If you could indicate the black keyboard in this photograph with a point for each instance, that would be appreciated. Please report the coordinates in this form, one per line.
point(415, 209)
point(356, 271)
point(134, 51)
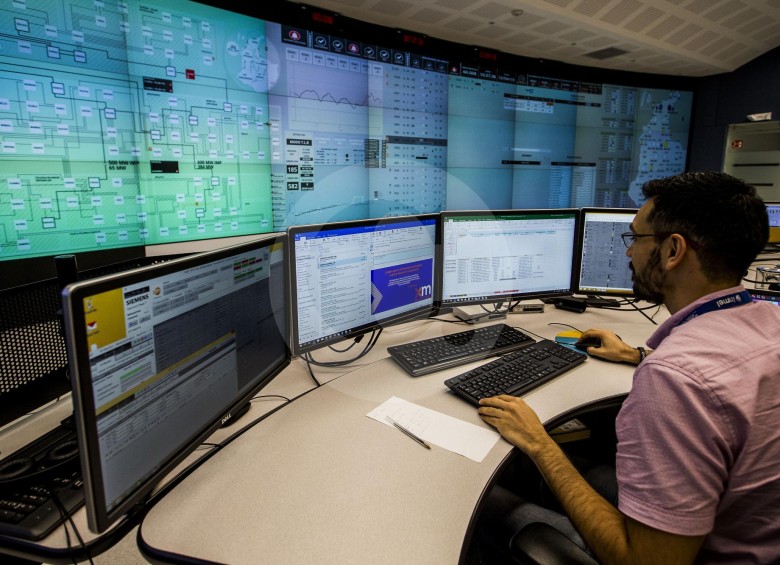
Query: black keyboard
point(29, 480)
point(516, 373)
point(430, 355)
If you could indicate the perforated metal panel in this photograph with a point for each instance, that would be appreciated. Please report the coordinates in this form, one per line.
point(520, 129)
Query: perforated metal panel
point(33, 356)
point(30, 341)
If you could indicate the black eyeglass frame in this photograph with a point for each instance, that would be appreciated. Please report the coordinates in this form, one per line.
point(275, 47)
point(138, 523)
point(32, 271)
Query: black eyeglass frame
point(629, 238)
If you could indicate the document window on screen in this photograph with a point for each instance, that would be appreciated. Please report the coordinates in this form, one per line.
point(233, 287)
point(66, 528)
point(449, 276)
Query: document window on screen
point(495, 256)
point(353, 276)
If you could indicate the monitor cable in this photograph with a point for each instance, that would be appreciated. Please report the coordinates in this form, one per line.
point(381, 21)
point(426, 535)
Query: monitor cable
point(642, 311)
point(497, 307)
point(368, 347)
point(576, 329)
point(167, 486)
point(271, 397)
point(355, 341)
point(305, 357)
point(69, 520)
point(633, 304)
point(447, 321)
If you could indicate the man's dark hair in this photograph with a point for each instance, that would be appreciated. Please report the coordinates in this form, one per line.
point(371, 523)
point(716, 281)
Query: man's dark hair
point(721, 215)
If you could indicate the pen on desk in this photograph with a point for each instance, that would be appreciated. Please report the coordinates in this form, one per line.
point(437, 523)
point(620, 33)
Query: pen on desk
point(408, 433)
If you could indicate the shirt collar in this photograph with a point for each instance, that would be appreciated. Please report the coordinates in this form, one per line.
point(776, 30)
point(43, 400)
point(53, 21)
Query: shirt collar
point(668, 326)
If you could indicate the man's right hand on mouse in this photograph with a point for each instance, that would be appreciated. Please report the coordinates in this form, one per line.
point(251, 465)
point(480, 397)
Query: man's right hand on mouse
point(612, 347)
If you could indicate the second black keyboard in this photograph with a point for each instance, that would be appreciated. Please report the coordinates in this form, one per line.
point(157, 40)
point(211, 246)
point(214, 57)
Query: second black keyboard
point(434, 354)
point(28, 508)
point(516, 373)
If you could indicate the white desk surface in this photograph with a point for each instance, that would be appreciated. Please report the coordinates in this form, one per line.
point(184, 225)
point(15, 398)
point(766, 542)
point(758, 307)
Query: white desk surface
point(318, 481)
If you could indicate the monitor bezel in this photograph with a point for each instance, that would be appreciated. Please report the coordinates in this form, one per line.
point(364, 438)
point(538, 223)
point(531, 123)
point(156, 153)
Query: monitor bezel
point(501, 299)
point(774, 231)
point(578, 289)
point(422, 311)
point(765, 294)
point(99, 516)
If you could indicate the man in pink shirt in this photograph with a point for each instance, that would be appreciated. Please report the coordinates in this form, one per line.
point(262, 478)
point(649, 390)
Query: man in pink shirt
point(698, 455)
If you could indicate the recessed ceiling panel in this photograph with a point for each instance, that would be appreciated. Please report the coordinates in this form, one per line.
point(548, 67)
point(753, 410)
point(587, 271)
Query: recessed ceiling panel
point(700, 36)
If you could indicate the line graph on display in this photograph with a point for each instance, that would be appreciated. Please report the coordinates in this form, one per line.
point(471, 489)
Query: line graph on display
point(331, 86)
point(311, 115)
point(310, 94)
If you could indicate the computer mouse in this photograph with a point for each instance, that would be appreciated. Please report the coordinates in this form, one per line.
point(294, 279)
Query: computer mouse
point(583, 343)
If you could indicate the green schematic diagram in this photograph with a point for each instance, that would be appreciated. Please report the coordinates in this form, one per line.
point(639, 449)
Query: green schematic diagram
point(126, 124)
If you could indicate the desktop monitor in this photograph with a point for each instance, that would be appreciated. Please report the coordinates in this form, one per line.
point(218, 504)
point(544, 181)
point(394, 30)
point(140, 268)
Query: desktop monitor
point(773, 211)
point(602, 266)
point(160, 356)
point(349, 278)
point(498, 256)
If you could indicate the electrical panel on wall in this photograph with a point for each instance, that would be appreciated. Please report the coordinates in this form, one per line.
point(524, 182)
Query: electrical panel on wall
point(752, 154)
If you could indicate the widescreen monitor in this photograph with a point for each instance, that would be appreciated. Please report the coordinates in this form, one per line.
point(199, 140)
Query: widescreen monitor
point(161, 355)
point(348, 278)
point(773, 211)
point(603, 268)
point(507, 255)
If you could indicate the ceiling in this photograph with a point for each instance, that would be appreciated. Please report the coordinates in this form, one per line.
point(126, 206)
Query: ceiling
point(677, 37)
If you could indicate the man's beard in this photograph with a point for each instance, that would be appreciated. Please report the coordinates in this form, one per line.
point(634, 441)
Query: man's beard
point(648, 283)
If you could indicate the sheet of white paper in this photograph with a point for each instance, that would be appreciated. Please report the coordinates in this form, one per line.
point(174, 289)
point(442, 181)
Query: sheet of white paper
point(439, 429)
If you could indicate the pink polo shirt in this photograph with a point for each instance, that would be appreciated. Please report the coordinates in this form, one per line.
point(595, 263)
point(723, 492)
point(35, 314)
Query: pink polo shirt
point(699, 434)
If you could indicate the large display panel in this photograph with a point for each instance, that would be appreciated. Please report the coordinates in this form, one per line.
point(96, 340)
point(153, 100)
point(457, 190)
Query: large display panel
point(349, 278)
point(130, 123)
point(149, 122)
point(363, 130)
point(603, 268)
point(506, 255)
point(161, 355)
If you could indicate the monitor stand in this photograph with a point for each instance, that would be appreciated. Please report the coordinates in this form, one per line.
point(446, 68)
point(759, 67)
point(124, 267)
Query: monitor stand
point(597, 301)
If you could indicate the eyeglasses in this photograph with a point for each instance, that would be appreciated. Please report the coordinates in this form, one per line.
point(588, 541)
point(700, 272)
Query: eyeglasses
point(629, 238)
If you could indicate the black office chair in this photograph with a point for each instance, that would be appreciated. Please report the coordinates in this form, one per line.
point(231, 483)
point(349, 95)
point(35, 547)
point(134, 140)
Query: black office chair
point(541, 544)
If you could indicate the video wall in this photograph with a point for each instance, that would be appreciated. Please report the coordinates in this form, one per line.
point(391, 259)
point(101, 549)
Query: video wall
point(133, 123)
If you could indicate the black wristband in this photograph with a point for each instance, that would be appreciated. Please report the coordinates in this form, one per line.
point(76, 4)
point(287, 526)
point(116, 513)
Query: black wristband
point(642, 354)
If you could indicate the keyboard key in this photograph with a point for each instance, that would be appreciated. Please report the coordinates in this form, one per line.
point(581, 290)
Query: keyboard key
point(435, 354)
point(516, 373)
point(27, 508)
